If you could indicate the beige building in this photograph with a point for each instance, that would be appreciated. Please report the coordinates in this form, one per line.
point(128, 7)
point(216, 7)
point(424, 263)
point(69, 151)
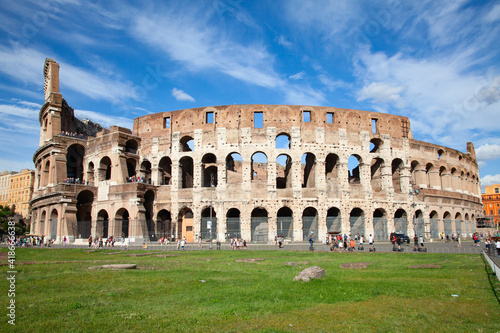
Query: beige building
point(251, 171)
point(21, 191)
point(4, 187)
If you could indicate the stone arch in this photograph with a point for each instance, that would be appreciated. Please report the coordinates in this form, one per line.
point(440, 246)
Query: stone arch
point(145, 171)
point(186, 143)
point(164, 225)
point(165, 170)
point(46, 173)
point(233, 223)
point(333, 220)
point(284, 171)
point(102, 224)
point(380, 224)
point(84, 202)
point(376, 171)
point(259, 225)
point(131, 146)
point(397, 167)
point(186, 172)
point(105, 168)
point(447, 223)
point(332, 173)
point(376, 145)
point(149, 198)
point(354, 169)
point(357, 221)
point(53, 223)
point(234, 168)
point(308, 167)
point(185, 224)
point(401, 221)
point(419, 223)
point(259, 167)
point(90, 173)
point(458, 223)
point(131, 166)
point(310, 224)
point(209, 170)
point(43, 216)
point(429, 171)
point(284, 223)
point(122, 222)
point(74, 161)
point(434, 224)
point(208, 223)
point(283, 141)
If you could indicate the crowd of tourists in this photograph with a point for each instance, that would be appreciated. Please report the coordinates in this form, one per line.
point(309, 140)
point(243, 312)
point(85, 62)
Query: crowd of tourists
point(100, 242)
point(72, 135)
point(30, 241)
point(134, 179)
point(72, 180)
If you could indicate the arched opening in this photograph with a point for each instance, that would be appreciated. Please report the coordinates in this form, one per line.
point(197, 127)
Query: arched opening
point(186, 170)
point(434, 224)
point(102, 224)
point(46, 174)
point(283, 141)
point(442, 173)
point(284, 223)
point(74, 163)
point(234, 166)
point(440, 153)
point(185, 224)
point(209, 170)
point(447, 223)
point(333, 220)
point(131, 173)
point(413, 173)
point(53, 224)
point(357, 222)
point(42, 223)
point(380, 225)
point(283, 171)
point(259, 168)
point(145, 172)
point(233, 224)
point(310, 224)
point(90, 173)
point(376, 168)
point(458, 223)
point(259, 227)
point(187, 144)
point(401, 222)
point(375, 145)
point(165, 170)
point(83, 214)
point(353, 166)
point(332, 174)
point(122, 219)
point(467, 225)
point(308, 166)
point(164, 225)
point(149, 198)
point(131, 146)
point(419, 223)
point(208, 223)
point(105, 169)
point(429, 168)
point(397, 171)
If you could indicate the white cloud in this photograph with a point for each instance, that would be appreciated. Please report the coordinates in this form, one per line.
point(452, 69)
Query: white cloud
point(488, 152)
point(297, 76)
point(283, 41)
point(103, 119)
point(382, 92)
point(490, 180)
point(181, 95)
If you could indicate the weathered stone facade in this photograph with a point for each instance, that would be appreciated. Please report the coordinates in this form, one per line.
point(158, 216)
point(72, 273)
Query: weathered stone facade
point(265, 170)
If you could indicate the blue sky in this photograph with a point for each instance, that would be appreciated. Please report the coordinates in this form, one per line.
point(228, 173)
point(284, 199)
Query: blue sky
point(437, 62)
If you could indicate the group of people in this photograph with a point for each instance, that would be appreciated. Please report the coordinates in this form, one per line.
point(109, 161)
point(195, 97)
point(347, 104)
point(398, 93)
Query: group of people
point(72, 135)
point(340, 243)
point(30, 241)
point(99, 242)
point(235, 244)
point(137, 179)
point(72, 180)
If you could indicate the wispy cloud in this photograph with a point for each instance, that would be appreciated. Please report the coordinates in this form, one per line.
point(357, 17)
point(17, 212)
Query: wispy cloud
point(488, 152)
point(490, 180)
point(297, 76)
point(181, 95)
point(103, 119)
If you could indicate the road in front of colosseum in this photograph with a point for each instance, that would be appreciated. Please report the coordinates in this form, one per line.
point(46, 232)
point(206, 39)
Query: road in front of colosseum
point(432, 247)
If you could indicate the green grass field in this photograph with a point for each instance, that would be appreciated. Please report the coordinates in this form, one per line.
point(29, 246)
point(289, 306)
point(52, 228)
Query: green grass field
point(58, 293)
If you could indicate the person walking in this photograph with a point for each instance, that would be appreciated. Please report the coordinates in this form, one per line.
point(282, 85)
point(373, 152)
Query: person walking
point(459, 239)
point(498, 247)
point(311, 241)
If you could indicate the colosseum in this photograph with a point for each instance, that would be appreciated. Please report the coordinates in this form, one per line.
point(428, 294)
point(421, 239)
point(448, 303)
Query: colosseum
point(247, 171)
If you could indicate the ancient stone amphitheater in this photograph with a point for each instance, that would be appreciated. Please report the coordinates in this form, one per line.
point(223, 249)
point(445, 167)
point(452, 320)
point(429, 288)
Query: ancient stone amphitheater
point(247, 171)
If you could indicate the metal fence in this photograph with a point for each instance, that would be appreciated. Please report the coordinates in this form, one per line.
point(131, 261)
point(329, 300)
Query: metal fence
point(380, 229)
point(206, 232)
point(401, 226)
point(233, 226)
point(284, 227)
point(259, 229)
point(434, 228)
point(310, 228)
point(357, 225)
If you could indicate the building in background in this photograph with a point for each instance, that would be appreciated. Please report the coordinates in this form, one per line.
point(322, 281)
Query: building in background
point(491, 203)
point(4, 187)
point(21, 190)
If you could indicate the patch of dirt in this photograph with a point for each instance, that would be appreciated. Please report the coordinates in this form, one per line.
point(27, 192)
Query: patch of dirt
point(355, 265)
point(140, 254)
point(165, 255)
point(3, 255)
point(426, 266)
point(250, 260)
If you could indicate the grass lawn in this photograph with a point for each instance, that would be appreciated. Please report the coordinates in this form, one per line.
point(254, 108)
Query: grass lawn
point(209, 291)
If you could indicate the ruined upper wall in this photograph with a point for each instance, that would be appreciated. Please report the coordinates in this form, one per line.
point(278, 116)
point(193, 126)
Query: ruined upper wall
point(281, 117)
point(51, 76)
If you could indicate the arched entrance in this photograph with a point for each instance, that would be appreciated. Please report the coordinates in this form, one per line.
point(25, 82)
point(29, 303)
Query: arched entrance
point(149, 198)
point(53, 224)
point(400, 222)
point(83, 215)
point(102, 224)
point(310, 224)
point(164, 226)
point(185, 224)
point(233, 225)
point(380, 225)
point(357, 222)
point(284, 223)
point(208, 223)
point(259, 225)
